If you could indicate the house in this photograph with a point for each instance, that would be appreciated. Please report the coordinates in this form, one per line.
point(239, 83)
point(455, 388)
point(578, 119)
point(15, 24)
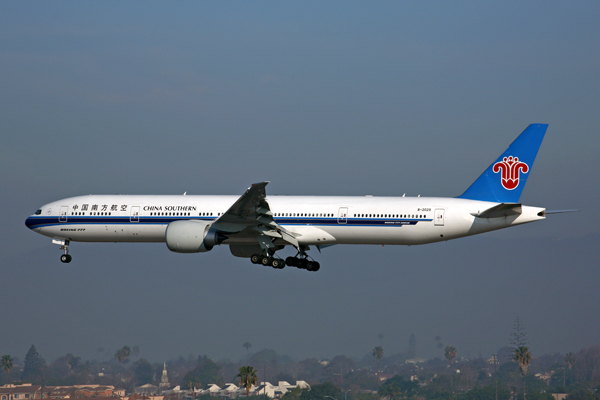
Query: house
point(211, 390)
point(147, 389)
point(546, 376)
point(85, 391)
point(20, 392)
point(277, 391)
point(139, 396)
point(230, 391)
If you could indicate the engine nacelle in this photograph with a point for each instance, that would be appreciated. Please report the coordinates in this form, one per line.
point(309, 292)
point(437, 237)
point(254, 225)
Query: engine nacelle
point(191, 236)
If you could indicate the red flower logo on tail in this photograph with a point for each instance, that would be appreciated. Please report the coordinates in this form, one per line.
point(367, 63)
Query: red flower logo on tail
point(510, 171)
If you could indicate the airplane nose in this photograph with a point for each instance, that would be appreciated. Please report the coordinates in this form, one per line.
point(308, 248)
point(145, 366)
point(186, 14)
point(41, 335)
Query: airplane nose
point(29, 222)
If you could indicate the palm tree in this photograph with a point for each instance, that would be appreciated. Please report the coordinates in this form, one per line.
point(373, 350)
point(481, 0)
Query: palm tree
point(119, 356)
point(6, 362)
point(126, 353)
point(122, 355)
point(247, 377)
point(523, 357)
point(450, 355)
point(192, 384)
point(570, 360)
point(378, 354)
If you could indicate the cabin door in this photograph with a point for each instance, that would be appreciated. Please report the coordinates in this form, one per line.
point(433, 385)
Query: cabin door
point(342, 215)
point(439, 217)
point(62, 215)
point(135, 214)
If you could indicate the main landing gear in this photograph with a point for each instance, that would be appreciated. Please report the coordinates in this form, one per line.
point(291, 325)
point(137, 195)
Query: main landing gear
point(64, 245)
point(300, 261)
point(303, 263)
point(268, 261)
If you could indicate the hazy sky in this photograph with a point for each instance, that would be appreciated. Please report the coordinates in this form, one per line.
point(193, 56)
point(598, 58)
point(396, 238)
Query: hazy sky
point(319, 98)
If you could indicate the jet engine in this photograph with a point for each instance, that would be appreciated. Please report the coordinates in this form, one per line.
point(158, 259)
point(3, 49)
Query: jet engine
point(191, 236)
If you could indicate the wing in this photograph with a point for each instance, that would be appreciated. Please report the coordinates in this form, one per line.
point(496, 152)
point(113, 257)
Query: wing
point(251, 216)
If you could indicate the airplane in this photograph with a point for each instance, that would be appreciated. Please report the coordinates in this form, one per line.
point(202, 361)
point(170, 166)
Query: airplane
point(256, 226)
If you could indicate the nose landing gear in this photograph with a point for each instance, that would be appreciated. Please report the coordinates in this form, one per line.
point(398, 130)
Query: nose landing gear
point(64, 245)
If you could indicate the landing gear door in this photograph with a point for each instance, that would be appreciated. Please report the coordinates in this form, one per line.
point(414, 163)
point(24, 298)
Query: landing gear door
point(62, 215)
point(343, 215)
point(439, 217)
point(135, 214)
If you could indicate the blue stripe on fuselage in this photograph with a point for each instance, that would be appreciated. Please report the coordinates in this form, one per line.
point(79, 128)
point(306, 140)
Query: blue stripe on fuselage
point(39, 222)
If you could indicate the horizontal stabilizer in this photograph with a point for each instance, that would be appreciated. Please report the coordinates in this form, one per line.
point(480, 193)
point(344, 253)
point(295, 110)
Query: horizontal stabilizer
point(500, 211)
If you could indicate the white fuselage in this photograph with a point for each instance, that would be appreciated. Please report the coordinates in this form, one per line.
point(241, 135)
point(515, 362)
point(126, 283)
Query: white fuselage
point(313, 220)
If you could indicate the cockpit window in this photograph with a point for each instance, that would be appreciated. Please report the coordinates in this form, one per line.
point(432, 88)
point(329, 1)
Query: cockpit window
point(38, 212)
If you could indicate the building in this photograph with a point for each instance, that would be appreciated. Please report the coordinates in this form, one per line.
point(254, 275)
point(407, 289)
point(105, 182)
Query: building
point(20, 392)
point(231, 391)
point(83, 391)
point(164, 380)
point(146, 390)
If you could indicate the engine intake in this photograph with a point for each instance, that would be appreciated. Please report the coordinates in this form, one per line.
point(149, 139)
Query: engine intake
point(191, 237)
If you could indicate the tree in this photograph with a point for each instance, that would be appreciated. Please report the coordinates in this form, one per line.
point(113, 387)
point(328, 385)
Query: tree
point(6, 363)
point(321, 391)
point(143, 371)
point(205, 373)
point(72, 361)
point(412, 346)
point(34, 366)
point(450, 353)
point(122, 355)
point(397, 388)
point(486, 393)
point(247, 377)
point(378, 354)
point(192, 385)
point(518, 336)
point(247, 346)
point(360, 380)
point(523, 357)
point(570, 360)
point(336, 368)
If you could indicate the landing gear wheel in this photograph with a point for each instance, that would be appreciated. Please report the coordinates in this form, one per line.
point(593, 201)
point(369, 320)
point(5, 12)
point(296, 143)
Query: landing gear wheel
point(66, 258)
point(267, 261)
point(316, 266)
point(302, 263)
point(278, 263)
point(256, 258)
point(291, 261)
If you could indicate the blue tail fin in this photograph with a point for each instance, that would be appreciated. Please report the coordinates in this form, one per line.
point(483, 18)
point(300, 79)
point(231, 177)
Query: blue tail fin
point(504, 180)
